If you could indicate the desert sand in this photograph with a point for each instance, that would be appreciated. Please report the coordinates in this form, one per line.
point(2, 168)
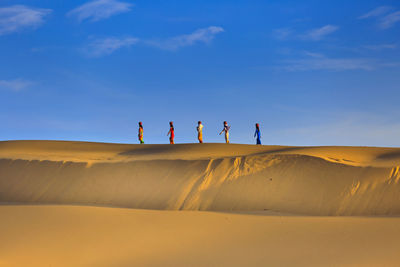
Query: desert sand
point(97, 204)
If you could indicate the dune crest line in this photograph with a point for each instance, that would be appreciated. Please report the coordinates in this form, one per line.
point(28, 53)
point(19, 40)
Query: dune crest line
point(209, 177)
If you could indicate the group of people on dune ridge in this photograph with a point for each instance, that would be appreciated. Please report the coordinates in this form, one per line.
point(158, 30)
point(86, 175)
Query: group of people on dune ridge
point(171, 132)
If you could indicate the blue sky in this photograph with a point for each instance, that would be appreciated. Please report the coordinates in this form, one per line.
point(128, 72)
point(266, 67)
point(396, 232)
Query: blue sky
point(310, 72)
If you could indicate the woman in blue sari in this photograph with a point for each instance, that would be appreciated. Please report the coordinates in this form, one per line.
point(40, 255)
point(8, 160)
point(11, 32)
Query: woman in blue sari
point(258, 134)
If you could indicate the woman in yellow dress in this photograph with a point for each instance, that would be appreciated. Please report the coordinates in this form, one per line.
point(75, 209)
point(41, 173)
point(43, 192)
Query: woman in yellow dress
point(200, 132)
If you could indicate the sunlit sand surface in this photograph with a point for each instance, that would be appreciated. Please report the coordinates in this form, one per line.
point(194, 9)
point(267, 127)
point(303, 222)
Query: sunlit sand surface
point(95, 204)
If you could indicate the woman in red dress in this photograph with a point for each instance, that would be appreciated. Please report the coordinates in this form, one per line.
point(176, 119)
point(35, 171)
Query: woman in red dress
point(171, 133)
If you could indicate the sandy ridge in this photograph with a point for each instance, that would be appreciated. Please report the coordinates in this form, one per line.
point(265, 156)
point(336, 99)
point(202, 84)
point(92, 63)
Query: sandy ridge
point(214, 177)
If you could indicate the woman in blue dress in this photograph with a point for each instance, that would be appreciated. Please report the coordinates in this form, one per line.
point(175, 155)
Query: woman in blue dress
point(258, 134)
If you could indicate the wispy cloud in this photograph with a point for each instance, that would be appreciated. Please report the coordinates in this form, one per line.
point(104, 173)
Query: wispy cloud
point(18, 17)
point(315, 61)
point(15, 85)
point(390, 20)
point(313, 54)
point(381, 47)
point(282, 33)
point(376, 12)
point(332, 64)
point(320, 33)
point(312, 35)
point(99, 9)
point(107, 46)
point(204, 35)
point(385, 20)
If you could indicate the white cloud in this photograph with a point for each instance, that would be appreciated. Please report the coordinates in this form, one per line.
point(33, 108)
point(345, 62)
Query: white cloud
point(381, 47)
point(389, 20)
point(99, 9)
point(385, 21)
point(320, 33)
point(332, 64)
point(106, 46)
point(376, 12)
point(282, 34)
point(15, 85)
point(316, 61)
point(204, 35)
point(390, 64)
point(101, 47)
point(313, 54)
point(15, 18)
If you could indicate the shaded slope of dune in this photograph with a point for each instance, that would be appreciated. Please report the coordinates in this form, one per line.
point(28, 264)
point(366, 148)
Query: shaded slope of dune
point(213, 177)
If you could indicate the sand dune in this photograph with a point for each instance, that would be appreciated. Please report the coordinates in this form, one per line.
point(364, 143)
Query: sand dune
point(197, 205)
point(207, 177)
point(91, 236)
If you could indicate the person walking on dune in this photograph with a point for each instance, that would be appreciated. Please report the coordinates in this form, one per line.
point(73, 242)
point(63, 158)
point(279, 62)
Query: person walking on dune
point(226, 130)
point(200, 132)
point(171, 133)
point(140, 135)
point(258, 134)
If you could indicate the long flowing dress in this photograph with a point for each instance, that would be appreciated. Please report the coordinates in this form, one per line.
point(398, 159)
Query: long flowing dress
point(258, 134)
point(226, 130)
point(200, 133)
point(141, 135)
point(172, 135)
